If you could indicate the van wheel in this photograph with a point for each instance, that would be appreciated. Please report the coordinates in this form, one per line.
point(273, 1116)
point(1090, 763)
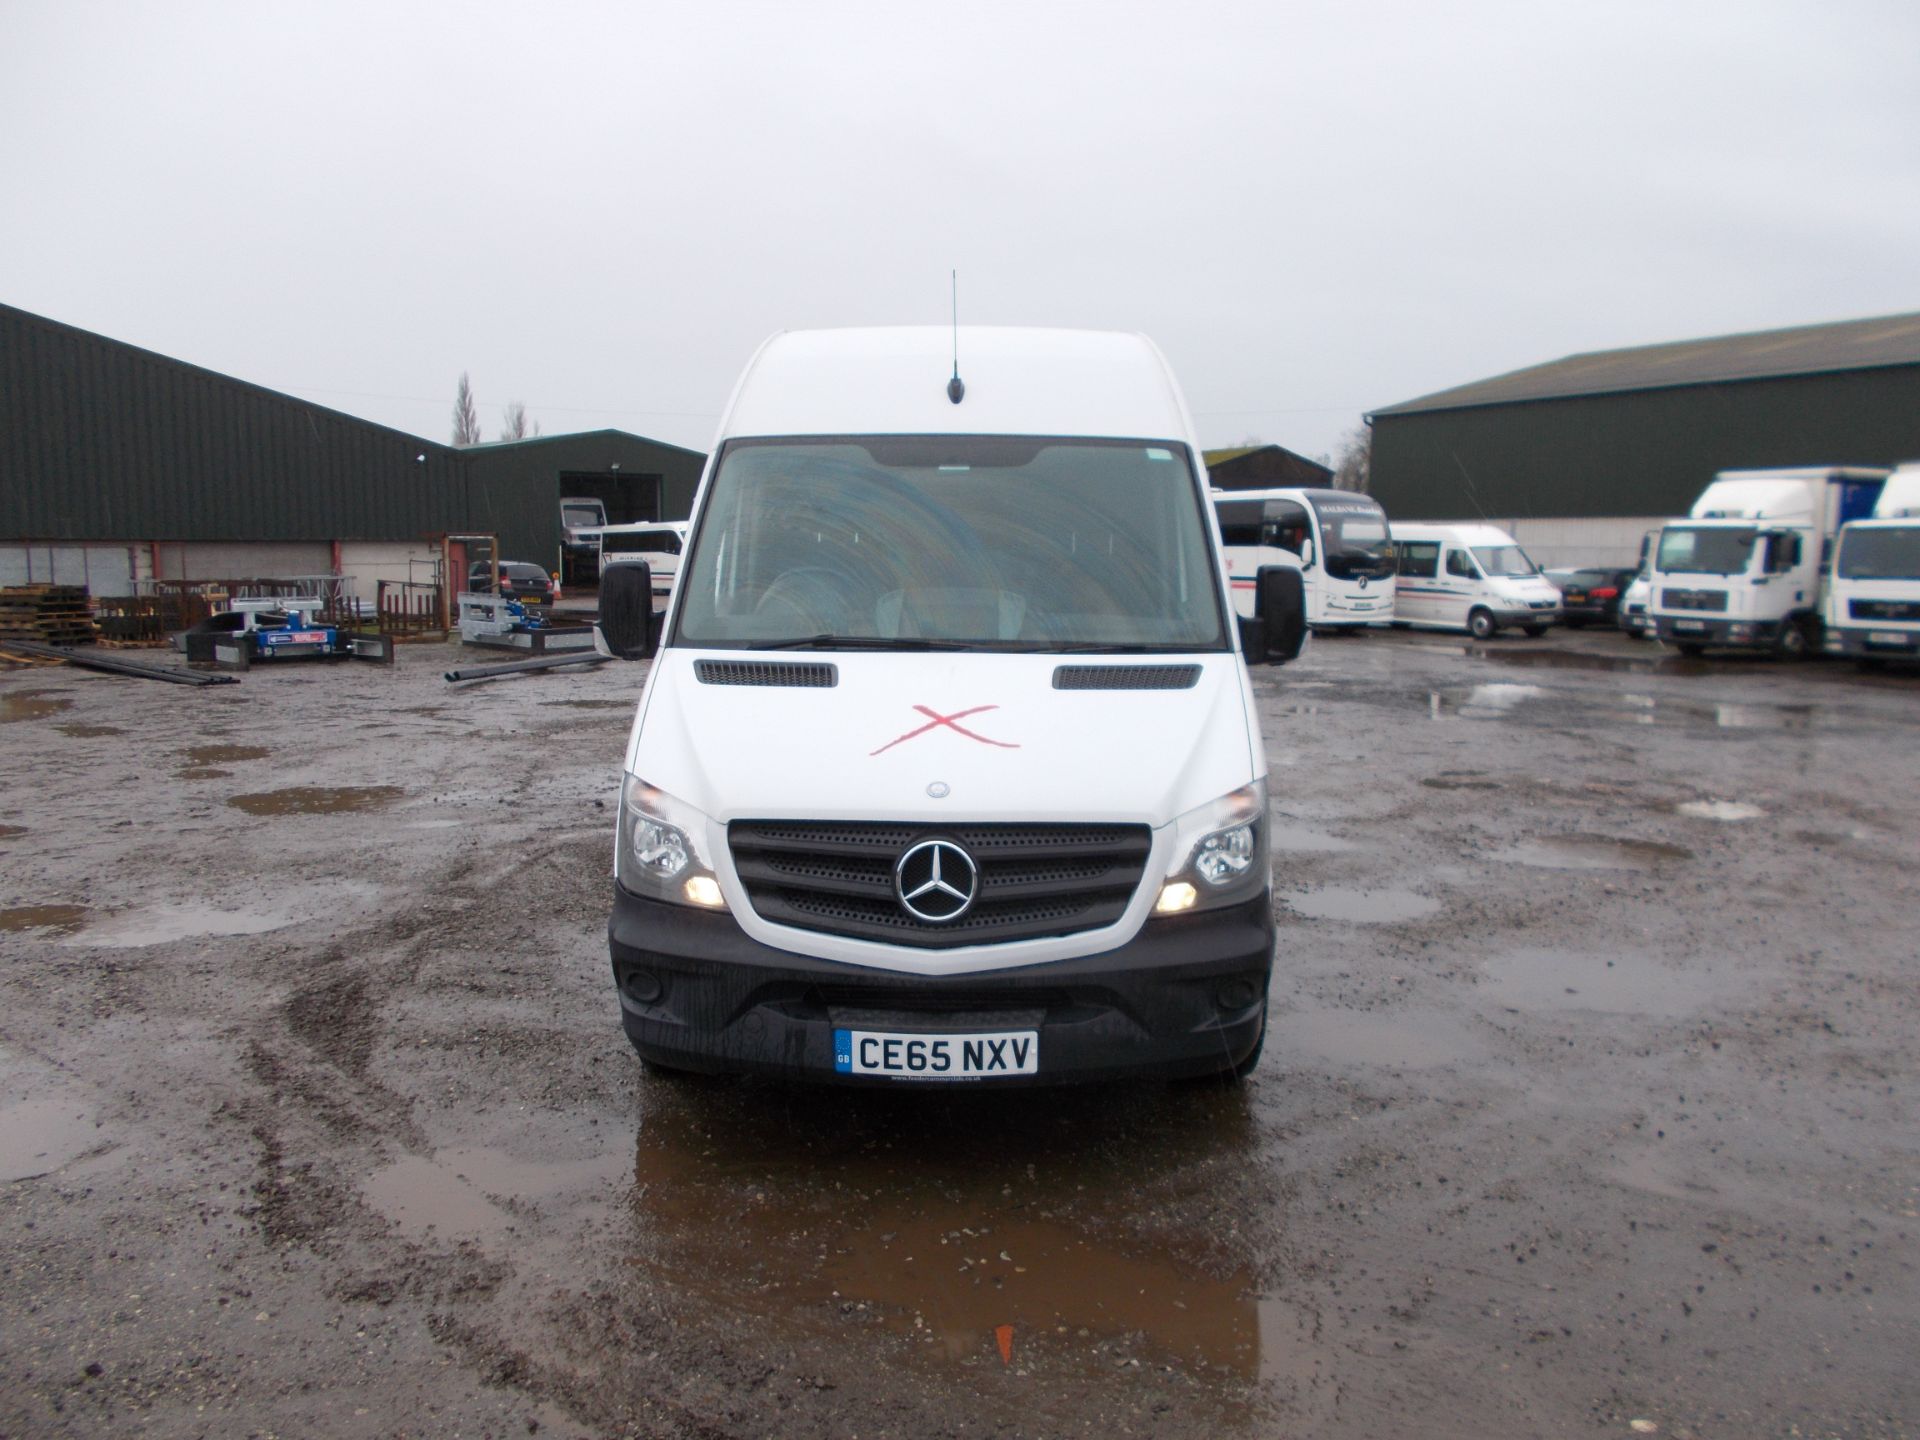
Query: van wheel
point(1534, 632)
point(1481, 624)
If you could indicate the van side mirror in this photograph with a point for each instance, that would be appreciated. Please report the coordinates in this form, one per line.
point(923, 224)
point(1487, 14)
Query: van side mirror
point(1278, 631)
point(626, 609)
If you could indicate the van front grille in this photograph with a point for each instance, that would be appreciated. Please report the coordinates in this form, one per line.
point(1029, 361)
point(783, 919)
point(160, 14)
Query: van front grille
point(1033, 881)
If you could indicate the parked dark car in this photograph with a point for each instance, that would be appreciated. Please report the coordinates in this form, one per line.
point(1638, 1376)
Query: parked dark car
point(1591, 596)
point(528, 584)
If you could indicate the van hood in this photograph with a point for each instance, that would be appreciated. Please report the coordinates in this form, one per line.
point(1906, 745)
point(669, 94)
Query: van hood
point(1526, 587)
point(881, 741)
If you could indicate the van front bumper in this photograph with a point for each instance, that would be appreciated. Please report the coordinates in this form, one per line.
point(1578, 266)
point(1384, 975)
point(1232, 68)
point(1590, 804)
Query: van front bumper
point(1186, 996)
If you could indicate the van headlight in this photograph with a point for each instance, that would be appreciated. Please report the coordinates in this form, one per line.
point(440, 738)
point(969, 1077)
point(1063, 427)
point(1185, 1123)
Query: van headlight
point(659, 853)
point(1220, 853)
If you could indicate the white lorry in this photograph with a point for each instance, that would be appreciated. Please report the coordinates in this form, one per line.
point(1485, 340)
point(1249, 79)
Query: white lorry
point(947, 768)
point(1873, 593)
point(1745, 570)
point(1339, 539)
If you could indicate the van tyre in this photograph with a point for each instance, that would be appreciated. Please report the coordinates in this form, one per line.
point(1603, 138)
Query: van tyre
point(1481, 624)
point(1534, 632)
point(1793, 642)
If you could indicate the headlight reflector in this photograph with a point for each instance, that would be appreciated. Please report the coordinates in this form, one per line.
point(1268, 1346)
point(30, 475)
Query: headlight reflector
point(659, 852)
point(1219, 853)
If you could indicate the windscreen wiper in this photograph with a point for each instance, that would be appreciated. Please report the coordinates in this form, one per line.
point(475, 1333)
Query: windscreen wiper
point(860, 642)
point(1097, 647)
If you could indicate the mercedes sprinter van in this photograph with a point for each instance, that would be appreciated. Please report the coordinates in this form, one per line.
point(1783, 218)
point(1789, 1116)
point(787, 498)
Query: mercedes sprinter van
point(947, 768)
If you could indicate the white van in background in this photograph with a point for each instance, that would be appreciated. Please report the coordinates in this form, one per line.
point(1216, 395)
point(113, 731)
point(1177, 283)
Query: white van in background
point(657, 543)
point(1469, 577)
point(1339, 539)
point(948, 769)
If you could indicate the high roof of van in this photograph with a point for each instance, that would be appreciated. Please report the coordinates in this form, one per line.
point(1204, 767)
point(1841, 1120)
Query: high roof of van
point(1018, 382)
point(1469, 535)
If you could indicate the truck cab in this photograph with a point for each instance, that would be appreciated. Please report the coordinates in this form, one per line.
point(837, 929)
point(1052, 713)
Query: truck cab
point(1745, 569)
point(1873, 593)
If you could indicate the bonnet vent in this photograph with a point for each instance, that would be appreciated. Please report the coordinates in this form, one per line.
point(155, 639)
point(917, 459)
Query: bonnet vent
point(807, 675)
point(1126, 677)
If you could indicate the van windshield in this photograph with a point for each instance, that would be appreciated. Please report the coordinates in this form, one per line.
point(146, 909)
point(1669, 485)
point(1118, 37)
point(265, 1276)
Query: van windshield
point(1504, 560)
point(986, 542)
point(578, 515)
point(1705, 550)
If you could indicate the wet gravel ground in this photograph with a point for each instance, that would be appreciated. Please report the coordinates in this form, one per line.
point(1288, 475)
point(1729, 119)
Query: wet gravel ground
point(1589, 1102)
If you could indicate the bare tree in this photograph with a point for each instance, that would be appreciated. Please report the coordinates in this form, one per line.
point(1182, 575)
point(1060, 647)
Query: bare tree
point(515, 427)
point(466, 418)
point(1355, 468)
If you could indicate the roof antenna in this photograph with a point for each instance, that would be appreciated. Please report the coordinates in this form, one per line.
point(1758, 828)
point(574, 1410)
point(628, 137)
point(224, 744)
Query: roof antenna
point(956, 387)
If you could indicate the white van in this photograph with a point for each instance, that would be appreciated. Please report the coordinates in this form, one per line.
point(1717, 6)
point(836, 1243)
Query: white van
point(1469, 577)
point(654, 543)
point(947, 768)
point(1339, 539)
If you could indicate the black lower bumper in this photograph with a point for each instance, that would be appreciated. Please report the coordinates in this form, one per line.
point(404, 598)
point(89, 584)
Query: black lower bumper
point(1722, 634)
point(1186, 996)
point(1857, 640)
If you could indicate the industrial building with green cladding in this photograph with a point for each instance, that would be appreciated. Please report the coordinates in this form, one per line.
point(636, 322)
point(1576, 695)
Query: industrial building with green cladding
point(119, 466)
point(1580, 457)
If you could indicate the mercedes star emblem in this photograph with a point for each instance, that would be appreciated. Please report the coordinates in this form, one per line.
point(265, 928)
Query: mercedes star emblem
point(936, 881)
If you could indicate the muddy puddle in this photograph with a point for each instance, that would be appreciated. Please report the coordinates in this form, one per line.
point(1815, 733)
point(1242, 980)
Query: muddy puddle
point(56, 919)
point(203, 755)
point(1616, 984)
point(475, 1193)
point(1503, 700)
point(1460, 780)
point(1356, 1039)
point(39, 1135)
point(316, 800)
point(9, 832)
point(163, 924)
point(1359, 907)
point(1652, 663)
point(1722, 810)
point(957, 1223)
point(1594, 852)
point(1481, 702)
point(89, 732)
point(31, 705)
point(593, 704)
point(1296, 836)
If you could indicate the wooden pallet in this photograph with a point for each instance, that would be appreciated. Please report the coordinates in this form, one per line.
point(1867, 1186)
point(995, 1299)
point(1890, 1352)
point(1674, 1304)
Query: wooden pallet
point(51, 614)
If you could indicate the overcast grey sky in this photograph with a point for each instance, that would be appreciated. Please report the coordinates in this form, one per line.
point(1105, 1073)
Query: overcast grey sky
point(600, 210)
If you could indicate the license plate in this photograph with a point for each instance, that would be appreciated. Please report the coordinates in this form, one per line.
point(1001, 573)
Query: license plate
point(909, 1056)
point(1889, 637)
point(1689, 624)
point(1575, 597)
